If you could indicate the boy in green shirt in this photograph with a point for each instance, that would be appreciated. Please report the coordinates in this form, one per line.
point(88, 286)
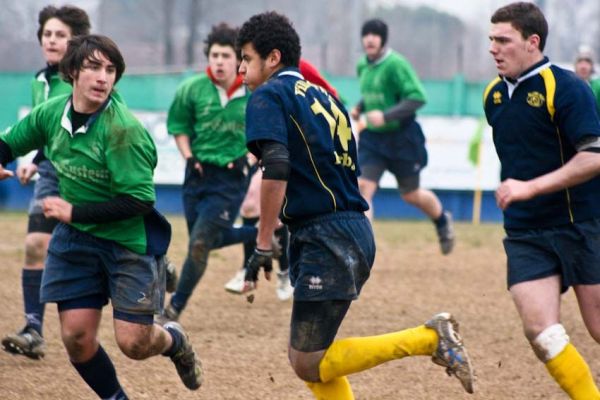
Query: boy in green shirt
point(393, 139)
point(110, 238)
point(56, 27)
point(207, 119)
point(584, 68)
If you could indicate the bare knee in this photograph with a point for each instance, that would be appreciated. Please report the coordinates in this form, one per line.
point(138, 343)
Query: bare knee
point(136, 347)
point(80, 343)
point(306, 365)
point(36, 248)
point(367, 188)
point(250, 211)
point(411, 197)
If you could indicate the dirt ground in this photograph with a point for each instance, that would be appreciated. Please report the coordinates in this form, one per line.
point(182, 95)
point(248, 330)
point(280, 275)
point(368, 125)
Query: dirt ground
point(243, 345)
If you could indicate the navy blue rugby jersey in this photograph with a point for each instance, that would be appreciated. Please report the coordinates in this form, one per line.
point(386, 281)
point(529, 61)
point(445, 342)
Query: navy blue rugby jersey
point(539, 122)
point(315, 128)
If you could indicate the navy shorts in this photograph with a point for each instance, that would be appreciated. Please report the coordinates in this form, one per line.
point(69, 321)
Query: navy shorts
point(216, 196)
point(46, 185)
point(570, 251)
point(331, 256)
point(81, 265)
point(402, 152)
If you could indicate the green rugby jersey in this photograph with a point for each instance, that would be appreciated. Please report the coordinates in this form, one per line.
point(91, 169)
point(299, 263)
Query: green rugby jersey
point(387, 82)
point(111, 155)
point(215, 123)
point(42, 89)
point(595, 84)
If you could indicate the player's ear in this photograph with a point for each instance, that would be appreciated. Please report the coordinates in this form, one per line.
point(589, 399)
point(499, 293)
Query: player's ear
point(274, 58)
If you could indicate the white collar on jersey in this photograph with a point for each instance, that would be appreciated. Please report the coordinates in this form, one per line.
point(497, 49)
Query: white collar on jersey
point(291, 73)
point(513, 85)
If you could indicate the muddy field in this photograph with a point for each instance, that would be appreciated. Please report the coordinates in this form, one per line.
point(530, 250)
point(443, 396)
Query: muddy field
point(243, 345)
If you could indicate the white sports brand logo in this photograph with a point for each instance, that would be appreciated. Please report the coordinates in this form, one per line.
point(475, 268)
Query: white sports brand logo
point(315, 283)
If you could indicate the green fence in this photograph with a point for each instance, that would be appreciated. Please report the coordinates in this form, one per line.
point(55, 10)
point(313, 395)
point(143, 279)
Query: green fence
point(155, 92)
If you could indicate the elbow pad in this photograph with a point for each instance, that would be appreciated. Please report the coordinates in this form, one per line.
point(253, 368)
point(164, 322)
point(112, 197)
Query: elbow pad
point(275, 161)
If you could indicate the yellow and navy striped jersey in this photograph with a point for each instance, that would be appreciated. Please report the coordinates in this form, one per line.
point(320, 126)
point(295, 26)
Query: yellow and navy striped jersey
point(315, 127)
point(540, 121)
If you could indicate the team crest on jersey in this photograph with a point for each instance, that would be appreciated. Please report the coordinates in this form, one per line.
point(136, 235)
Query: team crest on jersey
point(535, 99)
point(497, 96)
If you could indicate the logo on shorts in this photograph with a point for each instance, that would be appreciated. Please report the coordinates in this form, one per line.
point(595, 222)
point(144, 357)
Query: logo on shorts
point(224, 215)
point(314, 283)
point(143, 299)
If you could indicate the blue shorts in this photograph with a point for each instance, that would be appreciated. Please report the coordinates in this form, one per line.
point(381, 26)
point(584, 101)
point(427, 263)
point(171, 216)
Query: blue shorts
point(215, 197)
point(570, 251)
point(46, 185)
point(81, 265)
point(331, 256)
point(402, 152)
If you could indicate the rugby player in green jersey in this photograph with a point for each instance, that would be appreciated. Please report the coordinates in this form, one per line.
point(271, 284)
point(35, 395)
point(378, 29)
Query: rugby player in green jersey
point(584, 68)
point(56, 27)
point(110, 238)
point(391, 93)
point(207, 119)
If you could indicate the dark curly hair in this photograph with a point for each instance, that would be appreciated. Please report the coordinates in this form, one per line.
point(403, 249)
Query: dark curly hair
point(268, 31)
point(83, 48)
point(224, 35)
point(527, 18)
point(74, 17)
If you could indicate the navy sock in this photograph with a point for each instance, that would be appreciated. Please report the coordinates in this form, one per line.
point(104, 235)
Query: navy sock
point(441, 220)
point(100, 375)
point(179, 301)
point(251, 244)
point(238, 235)
point(31, 280)
point(282, 234)
point(177, 342)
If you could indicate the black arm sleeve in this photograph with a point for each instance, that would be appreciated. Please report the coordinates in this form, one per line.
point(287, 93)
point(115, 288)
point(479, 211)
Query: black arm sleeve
point(117, 209)
point(39, 157)
point(275, 160)
point(402, 110)
point(6, 155)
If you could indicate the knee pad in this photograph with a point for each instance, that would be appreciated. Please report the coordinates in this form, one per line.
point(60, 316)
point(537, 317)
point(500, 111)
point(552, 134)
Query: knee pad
point(550, 342)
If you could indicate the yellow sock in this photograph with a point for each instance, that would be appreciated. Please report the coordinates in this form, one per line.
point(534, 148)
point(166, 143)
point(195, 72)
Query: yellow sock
point(573, 375)
point(347, 356)
point(335, 389)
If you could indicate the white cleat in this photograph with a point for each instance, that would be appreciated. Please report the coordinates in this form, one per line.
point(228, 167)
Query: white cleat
point(284, 288)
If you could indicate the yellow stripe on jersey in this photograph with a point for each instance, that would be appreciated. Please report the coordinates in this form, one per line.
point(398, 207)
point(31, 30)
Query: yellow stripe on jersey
point(550, 84)
point(489, 88)
point(312, 161)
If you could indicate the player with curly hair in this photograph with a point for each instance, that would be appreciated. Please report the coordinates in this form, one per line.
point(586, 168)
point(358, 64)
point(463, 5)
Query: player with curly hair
point(302, 137)
point(207, 119)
